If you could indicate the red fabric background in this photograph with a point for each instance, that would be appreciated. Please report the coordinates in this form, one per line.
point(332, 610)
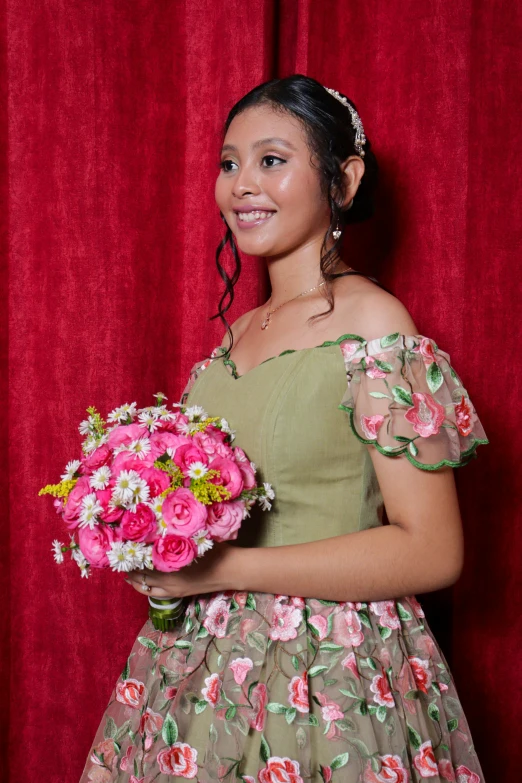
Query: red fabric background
point(111, 125)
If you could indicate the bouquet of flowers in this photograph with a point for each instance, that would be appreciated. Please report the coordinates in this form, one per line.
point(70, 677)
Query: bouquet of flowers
point(154, 488)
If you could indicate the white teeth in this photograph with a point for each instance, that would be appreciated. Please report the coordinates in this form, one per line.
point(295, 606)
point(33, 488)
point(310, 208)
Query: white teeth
point(249, 217)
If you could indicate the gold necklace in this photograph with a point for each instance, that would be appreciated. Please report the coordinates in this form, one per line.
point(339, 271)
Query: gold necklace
point(266, 322)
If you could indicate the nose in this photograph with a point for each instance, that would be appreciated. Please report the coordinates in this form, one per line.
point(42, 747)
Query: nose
point(245, 182)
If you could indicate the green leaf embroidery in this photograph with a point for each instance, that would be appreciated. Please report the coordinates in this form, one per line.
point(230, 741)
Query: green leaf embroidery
point(339, 761)
point(380, 395)
point(412, 448)
point(384, 632)
point(414, 737)
point(434, 377)
point(384, 366)
point(330, 647)
point(291, 712)
point(110, 729)
point(264, 750)
point(402, 396)
point(250, 601)
point(413, 694)
point(257, 640)
point(212, 733)
point(381, 713)
point(315, 670)
point(403, 613)
point(433, 711)
point(230, 713)
point(182, 644)
point(169, 732)
point(389, 339)
point(200, 706)
point(452, 724)
point(125, 673)
point(146, 642)
point(371, 663)
point(202, 632)
point(295, 662)
point(274, 706)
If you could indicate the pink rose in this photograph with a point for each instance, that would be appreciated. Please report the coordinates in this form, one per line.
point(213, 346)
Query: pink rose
point(170, 692)
point(128, 460)
point(243, 463)
point(170, 553)
point(240, 668)
point(425, 761)
point(286, 619)
point(224, 519)
point(426, 416)
point(391, 769)
point(464, 416)
point(350, 663)
point(213, 690)
point(162, 441)
point(298, 693)
point(259, 698)
point(73, 505)
point(97, 458)
point(105, 748)
point(217, 617)
point(446, 770)
point(373, 371)
point(180, 759)
point(187, 454)
point(280, 769)
point(330, 710)
point(210, 444)
point(387, 613)
point(131, 693)
point(465, 775)
point(348, 349)
point(158, 480)
point(108, 515)
point(124, 434)
point(139, 525)
point(370, 426)
point(229, 475)
point(183, 514)
point(320, 625)
point(347, 629)
point(95, 543)
point(326, 773)
point(426, 350)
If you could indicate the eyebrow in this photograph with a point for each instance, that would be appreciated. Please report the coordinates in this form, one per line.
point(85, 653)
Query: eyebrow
point(261, 143)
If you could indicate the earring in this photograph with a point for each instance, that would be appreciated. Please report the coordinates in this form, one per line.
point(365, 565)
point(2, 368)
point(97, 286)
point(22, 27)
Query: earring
point(337, 233)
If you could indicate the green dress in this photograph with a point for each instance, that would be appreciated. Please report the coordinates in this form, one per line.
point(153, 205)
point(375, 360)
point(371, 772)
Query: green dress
point(283, 689)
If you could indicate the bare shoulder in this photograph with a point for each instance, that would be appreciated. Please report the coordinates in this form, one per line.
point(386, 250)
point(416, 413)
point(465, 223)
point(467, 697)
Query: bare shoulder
point(239, 326)
point(375, 312)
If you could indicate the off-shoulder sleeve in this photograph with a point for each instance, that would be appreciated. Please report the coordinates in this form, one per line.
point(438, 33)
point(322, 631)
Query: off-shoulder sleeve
point(404, 397)
point(196, 370)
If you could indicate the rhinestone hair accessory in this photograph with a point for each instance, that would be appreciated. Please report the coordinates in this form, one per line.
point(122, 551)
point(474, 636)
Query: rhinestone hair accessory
point(360, 138)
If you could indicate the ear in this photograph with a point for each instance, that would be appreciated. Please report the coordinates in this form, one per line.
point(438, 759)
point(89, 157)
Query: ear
point(353, 170)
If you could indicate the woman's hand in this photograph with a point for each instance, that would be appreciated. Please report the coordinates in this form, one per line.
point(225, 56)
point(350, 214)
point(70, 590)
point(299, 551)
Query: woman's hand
point(213, 572)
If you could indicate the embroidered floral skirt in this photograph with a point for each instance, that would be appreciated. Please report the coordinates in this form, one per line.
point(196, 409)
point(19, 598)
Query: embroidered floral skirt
point(278, 689)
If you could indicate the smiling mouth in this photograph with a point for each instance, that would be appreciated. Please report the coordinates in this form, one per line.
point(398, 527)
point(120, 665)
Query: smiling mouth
point(250, 218)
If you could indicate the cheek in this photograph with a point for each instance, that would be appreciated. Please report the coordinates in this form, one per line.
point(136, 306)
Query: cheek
point(220, 191)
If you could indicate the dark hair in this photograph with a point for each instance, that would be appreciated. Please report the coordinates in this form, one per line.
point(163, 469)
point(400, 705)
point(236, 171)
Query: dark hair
point(331, 139)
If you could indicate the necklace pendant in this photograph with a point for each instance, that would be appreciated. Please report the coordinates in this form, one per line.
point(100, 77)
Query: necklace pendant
point(266, 321)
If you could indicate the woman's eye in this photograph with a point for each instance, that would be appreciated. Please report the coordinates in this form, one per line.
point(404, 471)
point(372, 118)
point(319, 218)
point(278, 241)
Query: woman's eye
point(223, 165)
point(273, 157)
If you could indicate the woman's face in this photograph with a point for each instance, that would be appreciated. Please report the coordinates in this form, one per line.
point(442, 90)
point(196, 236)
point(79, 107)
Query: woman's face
point(266, 168)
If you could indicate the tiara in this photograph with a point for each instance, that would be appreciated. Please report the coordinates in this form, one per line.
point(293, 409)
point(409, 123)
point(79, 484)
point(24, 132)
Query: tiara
point(360, 138)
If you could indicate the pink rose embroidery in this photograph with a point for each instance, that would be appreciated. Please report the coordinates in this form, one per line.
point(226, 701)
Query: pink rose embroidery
point(329, 709)
point(392, 769)
point(105, 748)
point(387, 613)
point(217, 617)
point(347, 629)
point(326, 773)
point(298, 693)
point(259, 698)
point(280, 770)
point(446, 770)
point(320, 624)
point(240, 668)
point(213, 690)
point(286, 619)
point(465, 775)
point(426, 350)
point(348, 349)
point(373, 371)
point(426, 416)
point(150, 723)
point(421, 673)
point(131, 693)
point(370, 426)
point(425, 761)
point(350, 663)
point(180, 759)
point(381, 688)
point(464, 416)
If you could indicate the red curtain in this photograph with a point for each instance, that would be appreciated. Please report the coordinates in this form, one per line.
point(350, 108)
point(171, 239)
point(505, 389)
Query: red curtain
point(111, 119)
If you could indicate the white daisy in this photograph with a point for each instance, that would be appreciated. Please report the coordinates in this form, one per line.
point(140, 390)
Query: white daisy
point(119, 557)
point(126, 483)
point(148, 418)
point(70, 469)
point(83, 564)
point(122, 413)
point(91, 507)
point(100, 478)
point(137, 552)
point(202, 541)
point(268, 490)
point(86, 427)
point(156, 504)
point(195, 410)
point(264, 503)
point(147, 558)
point(57, 549)
point(141, 447)
point(89, 444)
point(197, 470)
point(140, 494)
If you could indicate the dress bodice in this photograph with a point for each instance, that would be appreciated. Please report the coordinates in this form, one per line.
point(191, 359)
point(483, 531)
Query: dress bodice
point(306, 418)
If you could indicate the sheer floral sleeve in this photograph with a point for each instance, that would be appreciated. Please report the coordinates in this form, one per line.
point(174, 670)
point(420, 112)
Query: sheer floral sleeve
point(404, 397)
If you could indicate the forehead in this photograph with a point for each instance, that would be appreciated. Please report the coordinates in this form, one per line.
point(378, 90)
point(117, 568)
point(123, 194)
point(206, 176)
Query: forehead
point(263, 122)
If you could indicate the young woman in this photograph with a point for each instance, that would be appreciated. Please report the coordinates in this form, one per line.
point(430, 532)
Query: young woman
point(303, 654)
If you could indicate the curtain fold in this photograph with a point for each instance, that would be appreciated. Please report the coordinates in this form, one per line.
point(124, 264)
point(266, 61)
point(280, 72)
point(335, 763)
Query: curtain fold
point(111, 115)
